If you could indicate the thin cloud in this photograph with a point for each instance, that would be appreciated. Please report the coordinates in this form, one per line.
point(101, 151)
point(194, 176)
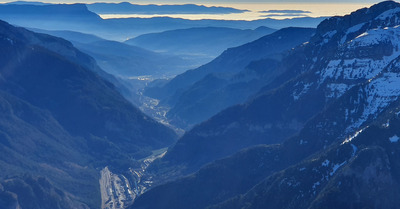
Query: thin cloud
point(286, 11)
point(285, 15)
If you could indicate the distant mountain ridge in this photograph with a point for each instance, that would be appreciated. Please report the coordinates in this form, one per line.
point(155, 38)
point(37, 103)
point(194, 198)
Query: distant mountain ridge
point(229, 79)
point(123, 60)
point(203, 43)
point(61, 12)
point(71, 36)
point(28, 2)
point(128, 8)
point(129, 61)
point(76, 17)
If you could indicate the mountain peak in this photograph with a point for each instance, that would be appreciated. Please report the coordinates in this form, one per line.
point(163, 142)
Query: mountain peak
point(357, 17)
point(383, 14)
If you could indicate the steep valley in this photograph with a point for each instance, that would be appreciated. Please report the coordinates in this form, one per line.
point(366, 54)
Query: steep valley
point(298, 118)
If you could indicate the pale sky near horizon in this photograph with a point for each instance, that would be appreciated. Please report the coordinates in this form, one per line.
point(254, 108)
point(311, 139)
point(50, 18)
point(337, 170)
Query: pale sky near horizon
point(206, 1)
point(317, 8)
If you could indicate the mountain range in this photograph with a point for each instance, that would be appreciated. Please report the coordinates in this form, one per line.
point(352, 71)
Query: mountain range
point(77, 17)
point(299, 118)
point(326, 136)
point(201, 43)
point(128, 8)
point(230, 79)
point(62, 123)
point(123, 60)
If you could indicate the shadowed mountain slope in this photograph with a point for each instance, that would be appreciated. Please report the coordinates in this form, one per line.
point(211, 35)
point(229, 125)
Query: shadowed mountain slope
point(61, 121)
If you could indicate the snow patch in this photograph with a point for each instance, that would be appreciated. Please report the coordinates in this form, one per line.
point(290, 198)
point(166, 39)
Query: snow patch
point(355, 28)
point(354, 150)
point(394, 139)
point(336, 90)
point(330, 34)
point(380, 93)
point(387, 124)
point(353, 69)
point(336, 167)
point(297, 94)
point(325, 163)
point(351, 30)
point(316, 184)
point(303, 142)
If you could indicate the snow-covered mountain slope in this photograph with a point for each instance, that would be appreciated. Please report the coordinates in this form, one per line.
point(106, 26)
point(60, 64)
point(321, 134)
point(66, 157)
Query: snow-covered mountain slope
point(321, 72)
point(345, 175)
point(346, 78)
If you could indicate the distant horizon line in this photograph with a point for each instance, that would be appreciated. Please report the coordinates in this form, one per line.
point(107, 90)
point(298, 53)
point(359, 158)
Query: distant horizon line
point(174, 2)
point(251, 11)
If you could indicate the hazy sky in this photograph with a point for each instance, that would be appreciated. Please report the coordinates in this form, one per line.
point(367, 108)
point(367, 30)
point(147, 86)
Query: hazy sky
point(211, 1)
point(317, 8)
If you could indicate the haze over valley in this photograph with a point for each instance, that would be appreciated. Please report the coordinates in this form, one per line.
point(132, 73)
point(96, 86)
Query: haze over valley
point(200, 105)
